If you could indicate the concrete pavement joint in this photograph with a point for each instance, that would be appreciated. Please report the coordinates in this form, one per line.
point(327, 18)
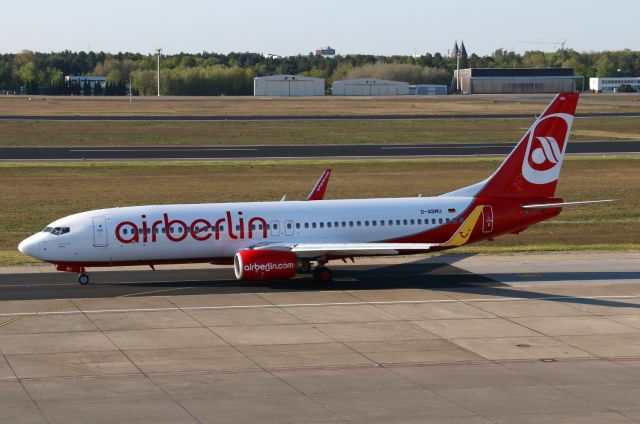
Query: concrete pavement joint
point(298, 305)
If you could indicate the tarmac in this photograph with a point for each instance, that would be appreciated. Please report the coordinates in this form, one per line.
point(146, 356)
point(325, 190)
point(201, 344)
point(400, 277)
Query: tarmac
point(544, 338)
point(290, 152)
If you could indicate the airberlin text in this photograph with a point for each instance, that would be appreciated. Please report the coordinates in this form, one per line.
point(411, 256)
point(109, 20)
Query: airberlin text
point(200, 229)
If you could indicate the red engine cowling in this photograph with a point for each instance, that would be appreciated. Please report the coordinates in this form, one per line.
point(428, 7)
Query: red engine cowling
point(251, 265)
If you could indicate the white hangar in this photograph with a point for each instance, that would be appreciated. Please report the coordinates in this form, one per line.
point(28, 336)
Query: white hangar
point(288, 85)
point(369, 87)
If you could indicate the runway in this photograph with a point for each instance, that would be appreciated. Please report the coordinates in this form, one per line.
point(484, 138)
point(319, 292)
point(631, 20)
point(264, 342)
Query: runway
point(296, 151)
point(449, 339)
point(276, 118)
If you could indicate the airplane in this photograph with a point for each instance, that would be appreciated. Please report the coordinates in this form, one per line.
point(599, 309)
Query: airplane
point(277, 240)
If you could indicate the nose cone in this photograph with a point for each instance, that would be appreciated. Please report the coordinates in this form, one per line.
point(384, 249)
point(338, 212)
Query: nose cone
point(29, 247)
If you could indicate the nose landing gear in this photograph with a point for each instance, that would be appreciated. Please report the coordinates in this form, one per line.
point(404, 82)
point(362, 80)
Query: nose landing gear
point(83, 279)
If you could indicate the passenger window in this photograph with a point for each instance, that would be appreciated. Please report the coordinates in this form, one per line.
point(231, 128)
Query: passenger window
point(180, 230)
point(412, 222)
point(155, 230)
point(237, 228)
point(440, 220)
point(125, 231)
point(404, 222)
point(336, 224)
point(366, 223)
point(288, 225)
point(322, 225)
point(373, 223)
point(313, 224)
point(344, 224)
point(433, 221)
point(447, 220)
point(350, 223)
point(298, 225)
point(222, 228)
point(306, 225)
point(328, 224)
point(164, 230)
point(275, 226)
point(149, 230)
point(253, 227)
point(419, 221)
point(171, 230)
point(382, 222)
point(358, 223)
point(397, 222)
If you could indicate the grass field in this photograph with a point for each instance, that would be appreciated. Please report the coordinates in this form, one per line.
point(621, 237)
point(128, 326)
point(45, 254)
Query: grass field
point(158, 133)
point(36, 194)
point(325, 105)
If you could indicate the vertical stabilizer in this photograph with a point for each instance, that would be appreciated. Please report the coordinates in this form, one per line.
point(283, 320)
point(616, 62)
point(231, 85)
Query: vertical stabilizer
point(533, 167)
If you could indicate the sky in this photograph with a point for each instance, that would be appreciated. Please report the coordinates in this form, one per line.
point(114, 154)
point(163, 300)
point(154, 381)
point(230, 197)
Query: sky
point(287, 27)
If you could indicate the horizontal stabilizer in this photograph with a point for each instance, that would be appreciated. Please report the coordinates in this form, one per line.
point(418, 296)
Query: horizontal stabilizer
point(563, 204)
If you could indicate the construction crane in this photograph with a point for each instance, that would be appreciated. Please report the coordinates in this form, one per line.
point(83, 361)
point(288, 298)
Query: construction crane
point(553, 43)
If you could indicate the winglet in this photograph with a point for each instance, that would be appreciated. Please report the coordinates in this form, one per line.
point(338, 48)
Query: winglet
point(317, 193)
point(462, 234)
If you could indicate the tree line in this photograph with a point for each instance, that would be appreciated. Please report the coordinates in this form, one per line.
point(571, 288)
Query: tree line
point(232, 74)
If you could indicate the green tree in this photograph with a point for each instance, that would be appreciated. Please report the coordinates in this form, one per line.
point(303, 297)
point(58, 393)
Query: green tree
point(97, 89)
point(605, 67)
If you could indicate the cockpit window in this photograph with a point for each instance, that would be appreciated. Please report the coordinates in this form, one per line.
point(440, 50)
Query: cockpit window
point(47, 229)
point(60, 230)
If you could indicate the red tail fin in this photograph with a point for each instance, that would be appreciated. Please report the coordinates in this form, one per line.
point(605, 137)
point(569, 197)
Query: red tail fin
point(533, 167)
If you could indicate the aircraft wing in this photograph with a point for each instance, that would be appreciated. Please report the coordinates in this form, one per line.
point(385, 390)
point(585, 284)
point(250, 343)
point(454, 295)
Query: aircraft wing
point(317, 192)
point(314, 250)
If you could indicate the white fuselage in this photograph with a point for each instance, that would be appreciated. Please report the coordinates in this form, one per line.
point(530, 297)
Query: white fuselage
point(166, 233)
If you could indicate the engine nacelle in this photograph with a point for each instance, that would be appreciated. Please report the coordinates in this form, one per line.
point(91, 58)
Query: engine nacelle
point(251, 265)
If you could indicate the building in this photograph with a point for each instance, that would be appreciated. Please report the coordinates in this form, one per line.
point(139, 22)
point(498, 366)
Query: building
point(80, 79)
point(611, 85)
point(288, 85)
point(428, 89)
point(326, 51)
point(515, 80)
point(369, 87)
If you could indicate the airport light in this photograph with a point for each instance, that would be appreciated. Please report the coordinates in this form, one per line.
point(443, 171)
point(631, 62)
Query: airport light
point(159, 51)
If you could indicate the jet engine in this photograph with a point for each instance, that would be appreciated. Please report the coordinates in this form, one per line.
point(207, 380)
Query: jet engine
point(252, 265)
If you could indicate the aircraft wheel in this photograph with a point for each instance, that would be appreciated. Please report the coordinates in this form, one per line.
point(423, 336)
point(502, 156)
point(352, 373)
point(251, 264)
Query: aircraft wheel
point(304, 267)
point(83, 279)
point(322, 274)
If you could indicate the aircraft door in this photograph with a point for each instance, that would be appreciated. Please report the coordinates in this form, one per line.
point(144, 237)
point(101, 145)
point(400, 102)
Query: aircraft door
point(100, 238)
point(487, 219)
point(288, 227)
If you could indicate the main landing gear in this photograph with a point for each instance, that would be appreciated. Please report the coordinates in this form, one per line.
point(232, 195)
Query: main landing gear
point(83, 279)
point(322, 274)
